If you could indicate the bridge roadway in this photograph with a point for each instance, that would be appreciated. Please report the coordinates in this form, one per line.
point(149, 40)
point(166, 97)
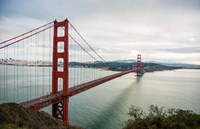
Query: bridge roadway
point(46, 100)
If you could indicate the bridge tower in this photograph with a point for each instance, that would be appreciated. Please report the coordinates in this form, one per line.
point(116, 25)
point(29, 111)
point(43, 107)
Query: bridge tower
point(60, 109)
point(139, 65)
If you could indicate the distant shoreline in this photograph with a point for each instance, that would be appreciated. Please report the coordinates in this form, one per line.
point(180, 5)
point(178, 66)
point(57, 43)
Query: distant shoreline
point(27, 65)
point(112, 66)
point(148, 68)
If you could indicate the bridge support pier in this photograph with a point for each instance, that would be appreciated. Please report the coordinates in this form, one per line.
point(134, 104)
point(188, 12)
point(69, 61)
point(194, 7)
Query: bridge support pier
point(60, 110)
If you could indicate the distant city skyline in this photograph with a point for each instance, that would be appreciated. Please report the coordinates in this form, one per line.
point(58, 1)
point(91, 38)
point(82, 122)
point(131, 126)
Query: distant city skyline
point(161, 30)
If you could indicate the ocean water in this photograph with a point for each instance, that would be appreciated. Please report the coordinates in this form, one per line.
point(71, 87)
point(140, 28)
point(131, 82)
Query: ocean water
point(106, 106)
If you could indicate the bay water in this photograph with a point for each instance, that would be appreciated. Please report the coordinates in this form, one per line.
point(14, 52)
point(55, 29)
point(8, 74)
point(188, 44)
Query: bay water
point(106, 106)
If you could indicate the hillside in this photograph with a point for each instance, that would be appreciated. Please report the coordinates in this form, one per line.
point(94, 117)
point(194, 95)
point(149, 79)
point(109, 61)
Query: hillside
point(14, 116)
point(119, 66)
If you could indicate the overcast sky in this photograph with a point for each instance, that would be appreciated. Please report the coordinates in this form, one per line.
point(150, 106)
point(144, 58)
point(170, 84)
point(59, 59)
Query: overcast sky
point(161, 30)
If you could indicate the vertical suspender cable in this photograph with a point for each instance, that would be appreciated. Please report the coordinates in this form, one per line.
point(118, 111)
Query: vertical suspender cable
point(82, 66)
point(14, 59)
point(30, 68)
point(43, 62)
point(35, 65)
point(17, 72)
point(74, 60)
point(79, 66)
point(4, 77)
point(76, 66)
point(79, 56)
point(23, 85)
point(26, 65)
point(7, 75)
point(85, 63)
point(49, 58)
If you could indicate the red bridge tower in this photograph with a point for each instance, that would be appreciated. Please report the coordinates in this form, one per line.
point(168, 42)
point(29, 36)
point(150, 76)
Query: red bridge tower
point(139, 65)
point(60, 109)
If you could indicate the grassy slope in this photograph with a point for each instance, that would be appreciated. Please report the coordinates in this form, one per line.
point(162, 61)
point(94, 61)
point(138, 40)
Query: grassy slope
point(14, 116)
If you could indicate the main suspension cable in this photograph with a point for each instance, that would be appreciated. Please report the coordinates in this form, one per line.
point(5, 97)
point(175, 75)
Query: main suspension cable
point(86, 41)
point(25, 37)
point(25, 33)
point(82, 47)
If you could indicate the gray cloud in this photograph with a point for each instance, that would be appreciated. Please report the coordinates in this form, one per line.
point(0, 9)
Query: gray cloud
point(117, 29)
point(182, 50)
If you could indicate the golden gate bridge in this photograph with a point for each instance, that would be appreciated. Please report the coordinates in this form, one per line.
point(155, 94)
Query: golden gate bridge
point(51, 46)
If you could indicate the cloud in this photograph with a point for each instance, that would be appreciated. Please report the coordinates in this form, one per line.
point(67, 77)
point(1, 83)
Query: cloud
point(186, 50)
point(117, 29)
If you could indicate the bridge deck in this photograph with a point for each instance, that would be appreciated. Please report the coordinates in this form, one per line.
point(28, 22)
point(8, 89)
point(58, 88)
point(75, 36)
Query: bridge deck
point(49, 99)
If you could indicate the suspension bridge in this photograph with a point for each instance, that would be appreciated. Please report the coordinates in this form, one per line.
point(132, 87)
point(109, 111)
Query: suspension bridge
point(40, 68)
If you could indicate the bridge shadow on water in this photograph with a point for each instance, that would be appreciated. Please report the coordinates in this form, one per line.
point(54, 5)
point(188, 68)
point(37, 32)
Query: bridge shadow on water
point(114, 110)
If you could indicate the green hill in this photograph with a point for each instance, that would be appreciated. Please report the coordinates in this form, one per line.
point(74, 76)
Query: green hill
point(120, 66)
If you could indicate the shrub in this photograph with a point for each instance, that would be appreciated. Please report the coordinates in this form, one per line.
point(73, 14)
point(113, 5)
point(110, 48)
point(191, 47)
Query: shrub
point(162, 118)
